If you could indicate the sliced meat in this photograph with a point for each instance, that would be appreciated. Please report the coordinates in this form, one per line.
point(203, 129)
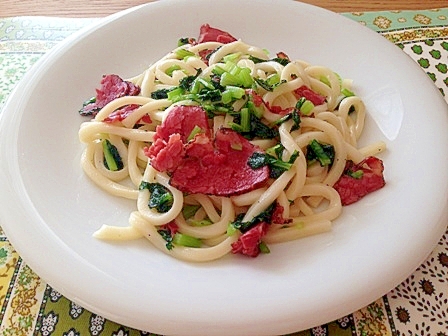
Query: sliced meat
point(277, 215)
point(249, 242)
point(166, 156)
point(352, 189)
point(312, 96)
point(210, 34)
point(112, 87)
point(182, 120)
point(221, 169)
point(124, 112)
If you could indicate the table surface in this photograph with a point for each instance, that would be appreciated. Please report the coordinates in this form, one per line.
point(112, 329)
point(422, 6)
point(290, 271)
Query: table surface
point(98, 8)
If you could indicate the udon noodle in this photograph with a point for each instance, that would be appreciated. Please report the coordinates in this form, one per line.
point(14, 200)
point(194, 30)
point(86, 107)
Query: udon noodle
point(304, 192)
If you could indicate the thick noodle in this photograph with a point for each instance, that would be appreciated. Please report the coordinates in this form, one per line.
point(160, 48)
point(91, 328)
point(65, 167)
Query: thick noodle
point(304, 191)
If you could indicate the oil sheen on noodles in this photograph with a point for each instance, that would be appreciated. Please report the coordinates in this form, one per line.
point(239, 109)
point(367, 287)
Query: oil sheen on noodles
point(304, 191)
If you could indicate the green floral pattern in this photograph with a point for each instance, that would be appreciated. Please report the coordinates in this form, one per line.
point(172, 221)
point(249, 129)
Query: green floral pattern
point(418, 306)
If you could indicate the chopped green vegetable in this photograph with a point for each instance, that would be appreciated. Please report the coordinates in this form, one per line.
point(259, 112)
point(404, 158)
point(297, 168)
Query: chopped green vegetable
point(262, 83)
point(182, 53)
point(358, 174)
point(257, 60)
point(232, 57)
point(323, 153)
point(171, 69)
point(160, 197)
point(166, 235)
point(280, 60)
point(246, 78)
point(264, 248)
point(218, 70)
point(250, 126)
point(206, 94)
point(206, 84)
point(160, 94)
point(258, 160)
point(112, 159)
point(188, 211)
point(216, 108)
point(86, 103)
point(276, 151)
point(234, 92)
point(283, 61)
point(175, 94)
point(231, 229)
point(324, 79)
point(264, 216)
point(276, 165)
point(186, 82)
point(270, 83)
point(258, 129)
point(304, 106)
point(347, 93)
point(202, 222)
point(183, 41)
point(232, 74)
point(228, 79)
point(294, 115)
point(245, 119)
point(226, 97)
point(257, 111)
point(186, 240)
point(307, 107)
point(194, 131)
point(273, 79)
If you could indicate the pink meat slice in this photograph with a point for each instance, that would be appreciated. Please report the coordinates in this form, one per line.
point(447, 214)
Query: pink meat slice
point(210, 34)
point(112, 87)
point(220, 167)
point(182, 120)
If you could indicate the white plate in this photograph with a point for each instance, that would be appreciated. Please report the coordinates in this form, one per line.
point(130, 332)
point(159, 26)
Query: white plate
point(49, 209)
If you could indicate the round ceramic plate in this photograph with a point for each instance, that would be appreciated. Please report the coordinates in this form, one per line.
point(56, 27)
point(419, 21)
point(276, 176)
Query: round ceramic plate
point(49, 209)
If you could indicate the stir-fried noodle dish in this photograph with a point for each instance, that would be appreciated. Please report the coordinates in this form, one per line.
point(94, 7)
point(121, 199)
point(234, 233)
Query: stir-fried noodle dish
point(227, 149)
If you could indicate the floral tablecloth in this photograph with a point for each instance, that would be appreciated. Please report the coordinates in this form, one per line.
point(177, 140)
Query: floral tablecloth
point(418, 306)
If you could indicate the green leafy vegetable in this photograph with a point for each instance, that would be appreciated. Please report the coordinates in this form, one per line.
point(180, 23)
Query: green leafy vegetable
point(281, 60)
point(166, 235)
point(112, 159)
point(232, 74)
point(347, 93)
point(324, 153)
point(160, 197)
point(294, 115)
point(188, 210)
point(276, 165)
point(184, 40)
point(270, 83)
point(358, 174)
point(258, 129)
point(264, 248)
point(171, 69)
point(276, 151)
point(306, 107)
point(186, 240)
point(194, 131)
point(90, 111)
point(160, 94)
point(264, 216)
point(202, 222)
point(186, 82)
point(182, 53)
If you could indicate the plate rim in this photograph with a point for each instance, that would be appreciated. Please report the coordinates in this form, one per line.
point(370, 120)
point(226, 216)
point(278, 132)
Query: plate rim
point(28, 80)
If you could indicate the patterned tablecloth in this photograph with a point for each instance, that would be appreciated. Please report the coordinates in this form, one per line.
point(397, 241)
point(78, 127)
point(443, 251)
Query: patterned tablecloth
point(418, 306)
